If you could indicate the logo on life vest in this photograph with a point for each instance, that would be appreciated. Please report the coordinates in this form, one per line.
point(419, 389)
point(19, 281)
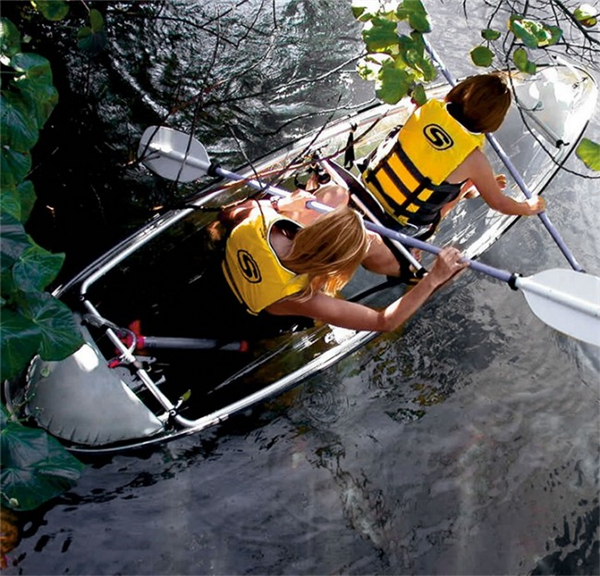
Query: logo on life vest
point(438, 137)
point(249, 267)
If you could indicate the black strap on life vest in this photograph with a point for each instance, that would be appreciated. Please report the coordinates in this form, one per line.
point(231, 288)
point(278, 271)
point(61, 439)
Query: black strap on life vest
point(428, 210)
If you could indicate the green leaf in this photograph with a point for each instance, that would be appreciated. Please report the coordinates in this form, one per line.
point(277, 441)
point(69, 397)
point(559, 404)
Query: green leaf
point(60, 334)
point(19, 342)
point(362, 10)
point(586, 15)
point(18, 200)
point(7, 286)
point(10, 39)
point(367, 69)
point(522, 61)
point(359, 11)
point(35, 83)
point(33, 66)
point(14, 240)
point(420, 64)
point(96, 20)
point(35, 466)
point(52, 9)
point(380, 34)
point(370, 66)
point(555, 34)
point(14, 166)
point(36, 268)
point(393, 84)
point(534, 34)
point(419, 95)
point(416, 14)
point(489, 34)
point(27, 196)
point(365, 10)
point(525, 30)
point(10, 203)
point(418, 18)
point(19, 130)
point(589, 153)
point(91, 42)
point(482, 56)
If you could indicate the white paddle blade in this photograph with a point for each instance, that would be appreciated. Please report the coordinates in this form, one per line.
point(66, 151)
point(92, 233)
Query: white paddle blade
point(172, 154)
point(566, 300)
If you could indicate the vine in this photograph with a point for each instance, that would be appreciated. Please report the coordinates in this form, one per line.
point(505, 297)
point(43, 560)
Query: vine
point(35, 467)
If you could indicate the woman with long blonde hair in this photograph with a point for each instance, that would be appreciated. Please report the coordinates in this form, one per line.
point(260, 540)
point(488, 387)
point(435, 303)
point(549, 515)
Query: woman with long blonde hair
point(276, 265)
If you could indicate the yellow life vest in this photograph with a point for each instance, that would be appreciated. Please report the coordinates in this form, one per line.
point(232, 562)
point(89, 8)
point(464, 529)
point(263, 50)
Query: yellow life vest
point(407, 174)
point(252, 268)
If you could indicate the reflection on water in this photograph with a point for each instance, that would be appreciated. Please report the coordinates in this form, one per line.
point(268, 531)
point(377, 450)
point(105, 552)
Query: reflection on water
point(243, 77)
point(465, 444)
point(574, 545)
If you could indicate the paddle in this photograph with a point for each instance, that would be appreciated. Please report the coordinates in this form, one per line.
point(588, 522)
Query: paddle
point(564, 299)
point(513, 171)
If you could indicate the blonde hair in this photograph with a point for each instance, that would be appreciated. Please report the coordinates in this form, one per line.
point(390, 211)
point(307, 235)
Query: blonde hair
point(328, 251)
point(481, 102)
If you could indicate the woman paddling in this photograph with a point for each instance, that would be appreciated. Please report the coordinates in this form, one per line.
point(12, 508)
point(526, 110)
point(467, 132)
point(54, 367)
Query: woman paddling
point(277, 266)
point(422, 170)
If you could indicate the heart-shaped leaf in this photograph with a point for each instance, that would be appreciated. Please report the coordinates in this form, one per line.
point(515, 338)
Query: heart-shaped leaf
point(415, 13)
point(19, 341)
point(589, 153)
point(380, 34)
point(489, 34)
point(18, 201)
point(522, 61)
point(393, 84)
point(19, 130)
point(35, 466)
point(52, 9)
point(60, 334)
point(10, 38)
point(36, 268)
point(14, 166)
point(14, 240)
point(586, 15)
point(92, 42)
point(482, 56)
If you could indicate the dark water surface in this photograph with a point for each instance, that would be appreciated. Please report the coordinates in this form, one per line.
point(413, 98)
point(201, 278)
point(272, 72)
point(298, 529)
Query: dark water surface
point(468, 444)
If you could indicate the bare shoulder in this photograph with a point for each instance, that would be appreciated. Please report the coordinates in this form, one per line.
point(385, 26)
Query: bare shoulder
point(476, 164)
point(477, 160)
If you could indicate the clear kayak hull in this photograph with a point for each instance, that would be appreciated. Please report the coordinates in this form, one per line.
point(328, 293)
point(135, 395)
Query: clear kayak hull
point(112, 396)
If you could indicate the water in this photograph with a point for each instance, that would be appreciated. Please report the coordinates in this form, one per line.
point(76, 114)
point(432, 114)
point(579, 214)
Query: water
point(466, 445)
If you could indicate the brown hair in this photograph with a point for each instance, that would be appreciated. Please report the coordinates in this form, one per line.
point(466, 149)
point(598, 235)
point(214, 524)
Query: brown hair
point(481, 102)
point(328, 251)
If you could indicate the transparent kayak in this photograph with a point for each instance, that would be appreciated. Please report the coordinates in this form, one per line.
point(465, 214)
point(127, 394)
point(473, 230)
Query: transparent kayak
point(165, 280)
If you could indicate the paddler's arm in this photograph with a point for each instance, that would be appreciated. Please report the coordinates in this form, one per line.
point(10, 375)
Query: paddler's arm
point(477, 168)
point(358, 317)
